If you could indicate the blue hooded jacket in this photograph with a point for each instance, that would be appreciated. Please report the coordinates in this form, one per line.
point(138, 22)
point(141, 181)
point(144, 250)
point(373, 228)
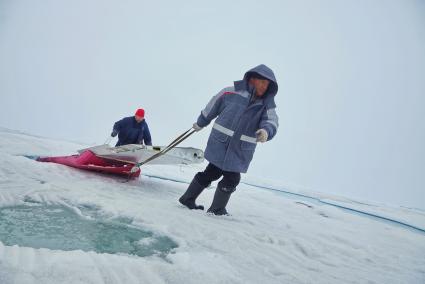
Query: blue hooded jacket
point(131, 132)
point(239, 114)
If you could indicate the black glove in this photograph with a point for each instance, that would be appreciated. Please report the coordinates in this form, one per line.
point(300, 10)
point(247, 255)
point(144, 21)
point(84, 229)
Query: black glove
point(114, 133)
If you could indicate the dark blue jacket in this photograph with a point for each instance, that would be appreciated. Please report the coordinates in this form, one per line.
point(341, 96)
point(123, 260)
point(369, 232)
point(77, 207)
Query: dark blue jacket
point(131, 132)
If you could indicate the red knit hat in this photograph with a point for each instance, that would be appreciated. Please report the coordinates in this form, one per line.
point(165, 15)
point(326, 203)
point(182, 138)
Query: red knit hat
point(140, 112)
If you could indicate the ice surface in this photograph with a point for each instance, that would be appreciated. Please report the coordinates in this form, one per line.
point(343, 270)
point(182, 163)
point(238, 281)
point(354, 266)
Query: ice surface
point(269, 238)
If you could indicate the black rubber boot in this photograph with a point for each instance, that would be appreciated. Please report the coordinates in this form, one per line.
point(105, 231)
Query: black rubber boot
point(221, 197)
point(192, 192)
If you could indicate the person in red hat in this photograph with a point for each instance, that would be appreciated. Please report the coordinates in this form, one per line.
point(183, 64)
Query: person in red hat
point(132, 130)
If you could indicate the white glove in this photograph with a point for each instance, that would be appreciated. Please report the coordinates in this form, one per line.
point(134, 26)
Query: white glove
point(134, 169)
point(196, 127)
point(261, 135)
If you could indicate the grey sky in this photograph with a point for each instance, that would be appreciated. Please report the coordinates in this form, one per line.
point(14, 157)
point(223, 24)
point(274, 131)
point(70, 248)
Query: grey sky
point(351, 77)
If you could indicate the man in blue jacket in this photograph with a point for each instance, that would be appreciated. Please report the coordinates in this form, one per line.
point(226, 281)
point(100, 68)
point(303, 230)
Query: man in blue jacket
point(246, 114)
point(132, 130)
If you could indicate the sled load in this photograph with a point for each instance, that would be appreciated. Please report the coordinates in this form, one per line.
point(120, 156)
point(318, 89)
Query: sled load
point(126, 160)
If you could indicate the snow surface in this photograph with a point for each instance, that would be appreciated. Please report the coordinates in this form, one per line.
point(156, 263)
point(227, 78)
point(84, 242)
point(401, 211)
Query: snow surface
point(270, 237)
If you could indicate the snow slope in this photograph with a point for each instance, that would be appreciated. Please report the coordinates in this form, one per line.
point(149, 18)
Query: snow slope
point(270, 237)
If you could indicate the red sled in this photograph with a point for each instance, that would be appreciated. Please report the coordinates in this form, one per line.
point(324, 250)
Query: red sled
point(120, 160)
point(87, 160)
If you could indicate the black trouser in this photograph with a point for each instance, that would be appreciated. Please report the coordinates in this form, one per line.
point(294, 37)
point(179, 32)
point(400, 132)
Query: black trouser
point(212, 173)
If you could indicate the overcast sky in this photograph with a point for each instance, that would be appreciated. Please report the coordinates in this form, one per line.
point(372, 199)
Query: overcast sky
point(351, 80)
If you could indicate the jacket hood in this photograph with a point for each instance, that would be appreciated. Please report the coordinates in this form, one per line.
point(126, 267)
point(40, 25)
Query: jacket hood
point(265, 72)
